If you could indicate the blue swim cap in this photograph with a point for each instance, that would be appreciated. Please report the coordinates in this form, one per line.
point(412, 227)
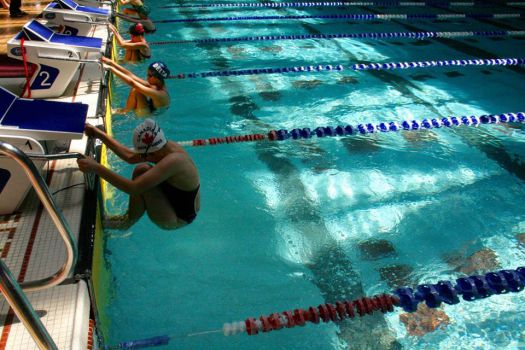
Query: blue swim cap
point(159, 70)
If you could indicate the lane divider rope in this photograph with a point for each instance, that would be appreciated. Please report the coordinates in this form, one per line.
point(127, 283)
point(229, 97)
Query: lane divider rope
point(470, 288)
point(355, 67)
point(356, 17)
point(383, 35)
point(433, 295)
point(362, 129)
point(343, 4)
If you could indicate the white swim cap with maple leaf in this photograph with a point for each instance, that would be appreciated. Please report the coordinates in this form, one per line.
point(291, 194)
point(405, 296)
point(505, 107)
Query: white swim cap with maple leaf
point(148, 137)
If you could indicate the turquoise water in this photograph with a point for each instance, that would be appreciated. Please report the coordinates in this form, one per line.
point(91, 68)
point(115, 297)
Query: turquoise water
point(288, 225)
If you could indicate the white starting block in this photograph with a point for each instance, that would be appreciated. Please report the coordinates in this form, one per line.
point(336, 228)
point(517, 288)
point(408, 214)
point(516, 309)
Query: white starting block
point(25, 123)
point(74, 18)
point(57, 57)
point(14, 183)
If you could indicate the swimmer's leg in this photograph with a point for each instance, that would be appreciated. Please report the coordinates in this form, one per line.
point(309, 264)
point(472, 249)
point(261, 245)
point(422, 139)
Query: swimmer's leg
point(160, 211)
point(142, 106)
point(136, 102)
point(128, 11)
point(136, 206)
point(126, 18)
point(141, 101)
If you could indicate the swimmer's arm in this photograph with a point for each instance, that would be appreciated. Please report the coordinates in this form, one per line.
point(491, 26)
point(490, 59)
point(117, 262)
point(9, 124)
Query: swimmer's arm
point(121, 71)
point(119, 38)
point(159, 173)
point(117, 68)
point(123, 152)
point(149, 91)
point(131, 45)
point(115, 179)
point(151, 178)
point(128, 77)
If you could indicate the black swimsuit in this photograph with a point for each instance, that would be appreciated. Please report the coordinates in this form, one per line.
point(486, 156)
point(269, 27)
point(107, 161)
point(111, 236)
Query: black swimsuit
point(182, 202)
point(151, 105)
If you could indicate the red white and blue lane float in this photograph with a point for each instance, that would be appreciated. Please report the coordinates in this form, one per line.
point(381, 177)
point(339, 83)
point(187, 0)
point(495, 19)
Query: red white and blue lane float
point(362, 129)
point(471, 288)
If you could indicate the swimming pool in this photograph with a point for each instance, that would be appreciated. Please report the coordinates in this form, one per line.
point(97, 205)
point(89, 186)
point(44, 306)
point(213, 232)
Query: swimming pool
point(298, 223)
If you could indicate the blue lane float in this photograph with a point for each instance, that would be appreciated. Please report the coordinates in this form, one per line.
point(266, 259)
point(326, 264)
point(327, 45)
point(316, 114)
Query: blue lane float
point(355, 67)
point(341, 4)
point(469, 288)
point(362, 129)
point(354, 17)
point(380, 36)
point(407, 125)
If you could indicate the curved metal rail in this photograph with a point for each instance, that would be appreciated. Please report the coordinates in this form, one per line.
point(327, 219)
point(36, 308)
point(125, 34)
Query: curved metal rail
point(56, 215)
point(23, 309)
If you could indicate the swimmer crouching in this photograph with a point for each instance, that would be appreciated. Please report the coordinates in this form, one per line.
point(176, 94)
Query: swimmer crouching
point(146, 95)
point(165, 184)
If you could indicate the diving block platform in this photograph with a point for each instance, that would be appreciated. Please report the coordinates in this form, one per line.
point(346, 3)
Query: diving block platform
point(25, 123)
point(56, 56)
point(96, 12)
point(41, 119)
point(76, 19)
point(14, 184)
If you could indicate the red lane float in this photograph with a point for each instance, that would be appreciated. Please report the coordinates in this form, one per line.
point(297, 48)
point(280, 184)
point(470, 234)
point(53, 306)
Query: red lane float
point(324, 312)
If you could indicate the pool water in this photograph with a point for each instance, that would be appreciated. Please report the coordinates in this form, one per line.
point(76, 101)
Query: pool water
point(286, 225)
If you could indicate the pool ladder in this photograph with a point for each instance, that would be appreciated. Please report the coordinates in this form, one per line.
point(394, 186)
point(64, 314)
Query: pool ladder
point(12, 290)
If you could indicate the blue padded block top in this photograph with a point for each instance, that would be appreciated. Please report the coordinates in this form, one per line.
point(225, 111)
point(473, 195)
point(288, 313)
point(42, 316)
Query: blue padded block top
point(94, 10)
point(78, 41)
point(47, 116)
point(6, 99)
point(34, 27)
point(70, 4)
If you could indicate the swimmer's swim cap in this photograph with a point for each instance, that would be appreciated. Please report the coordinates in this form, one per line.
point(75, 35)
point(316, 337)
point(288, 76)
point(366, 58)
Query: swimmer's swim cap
point(148, 137)
point(159, 70)
point(136, 29)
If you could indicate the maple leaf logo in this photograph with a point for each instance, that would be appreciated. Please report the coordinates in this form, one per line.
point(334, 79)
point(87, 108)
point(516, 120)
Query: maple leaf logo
point(147, 139)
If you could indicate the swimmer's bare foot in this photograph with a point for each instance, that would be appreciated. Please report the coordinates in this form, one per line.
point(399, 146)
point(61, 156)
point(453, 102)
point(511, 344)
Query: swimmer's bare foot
point(117, 222)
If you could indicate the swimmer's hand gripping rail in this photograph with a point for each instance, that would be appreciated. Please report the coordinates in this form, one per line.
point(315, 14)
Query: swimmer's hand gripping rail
point(89, 178)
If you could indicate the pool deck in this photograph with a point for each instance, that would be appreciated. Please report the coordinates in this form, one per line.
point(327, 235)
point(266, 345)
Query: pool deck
point(10, 26)
point(29, 241)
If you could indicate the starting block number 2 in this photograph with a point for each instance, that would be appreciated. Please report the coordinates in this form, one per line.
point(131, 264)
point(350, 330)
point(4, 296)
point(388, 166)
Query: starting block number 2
point(45, 78)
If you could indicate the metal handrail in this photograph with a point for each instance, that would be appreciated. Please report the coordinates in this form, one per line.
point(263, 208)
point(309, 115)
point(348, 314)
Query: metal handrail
point(23, 309)
point(56, 215)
